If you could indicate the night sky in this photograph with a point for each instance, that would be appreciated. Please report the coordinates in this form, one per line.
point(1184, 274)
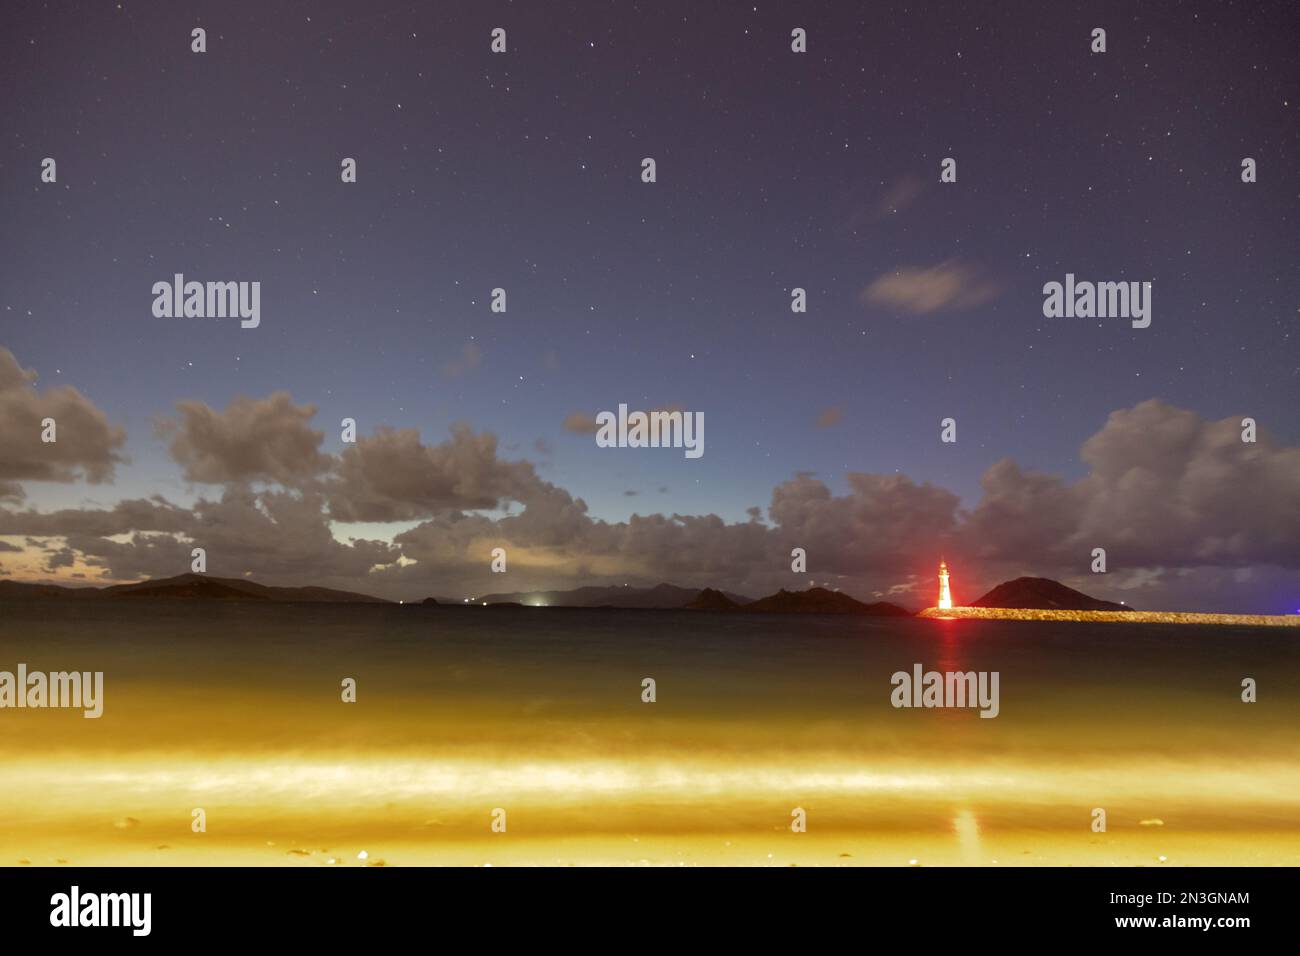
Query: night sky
point(775, 170)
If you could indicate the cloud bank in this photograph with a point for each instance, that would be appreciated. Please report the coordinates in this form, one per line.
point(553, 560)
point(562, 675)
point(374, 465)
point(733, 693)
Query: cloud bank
point(1190, 516)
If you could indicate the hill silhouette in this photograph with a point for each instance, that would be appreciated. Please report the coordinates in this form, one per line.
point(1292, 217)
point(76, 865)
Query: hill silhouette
point(1044, 594)
point(189, 587)
point(622, 596)
point(712, 600)
point(823, 601)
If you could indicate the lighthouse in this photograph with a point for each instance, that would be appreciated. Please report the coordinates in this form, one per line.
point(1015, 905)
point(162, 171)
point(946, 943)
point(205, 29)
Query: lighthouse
point(945, 596)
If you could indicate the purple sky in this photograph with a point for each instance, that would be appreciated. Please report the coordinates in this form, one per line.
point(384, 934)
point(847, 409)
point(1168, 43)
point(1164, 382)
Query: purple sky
point(775, 170)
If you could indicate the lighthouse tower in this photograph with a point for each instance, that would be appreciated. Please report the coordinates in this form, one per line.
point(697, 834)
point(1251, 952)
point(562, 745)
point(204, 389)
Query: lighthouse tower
point(945, 596)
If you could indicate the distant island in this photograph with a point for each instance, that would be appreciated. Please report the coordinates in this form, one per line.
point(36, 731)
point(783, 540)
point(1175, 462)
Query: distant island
point(1045, 594)
point(671, 597)
point(711, 600)
point(622, 596)
point(811, 601)
point(1022, 599)
point(190, 587)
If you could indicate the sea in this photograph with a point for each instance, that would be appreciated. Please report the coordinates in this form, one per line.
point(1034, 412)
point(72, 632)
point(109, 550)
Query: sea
point(368, 734)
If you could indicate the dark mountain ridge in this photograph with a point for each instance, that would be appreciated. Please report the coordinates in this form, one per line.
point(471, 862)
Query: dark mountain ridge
point(823, 601)
point(621, 596)
point(192, 587)
point(1046, 595)
point(712, 600)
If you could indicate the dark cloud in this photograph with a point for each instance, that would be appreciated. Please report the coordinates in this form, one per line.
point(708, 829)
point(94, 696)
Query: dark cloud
point(392, 476)
point(154, 514)
point(887, 523)
point(1164, 488)
point(1178, 502)
point(62, 558)
point(274, 537)
point(86, 446)
point(266, 439)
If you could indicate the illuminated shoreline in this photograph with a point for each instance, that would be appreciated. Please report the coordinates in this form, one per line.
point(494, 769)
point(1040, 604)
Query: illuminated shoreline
point(319, 809)
point(1113, 617)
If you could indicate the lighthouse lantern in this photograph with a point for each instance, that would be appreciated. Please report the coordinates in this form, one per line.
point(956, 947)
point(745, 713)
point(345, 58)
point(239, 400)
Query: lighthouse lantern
point(945, 596)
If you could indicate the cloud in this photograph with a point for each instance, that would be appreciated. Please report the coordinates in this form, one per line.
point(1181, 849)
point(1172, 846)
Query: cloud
point(583, 423)
point(864, 203)
point(1191, 517)
point(62, 558)
point(828, 417)
point(86, 446)
point(887, 523)
point(900, 194)
point(392, 476)
point(266, 439)
point(276, 537)
point(1022, 516)
point(1164, 483)
point(1164, 488)
point(948, 286)
point(139, 514)
point(881, 537)
point(470, 358)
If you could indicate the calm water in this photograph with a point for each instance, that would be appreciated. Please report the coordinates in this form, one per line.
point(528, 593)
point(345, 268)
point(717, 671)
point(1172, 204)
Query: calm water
point(236, 709)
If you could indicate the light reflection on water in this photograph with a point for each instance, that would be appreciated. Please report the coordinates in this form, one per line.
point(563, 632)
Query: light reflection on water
point(237, 709)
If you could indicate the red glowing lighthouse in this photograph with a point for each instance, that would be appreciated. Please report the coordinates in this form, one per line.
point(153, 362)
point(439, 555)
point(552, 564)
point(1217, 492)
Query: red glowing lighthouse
point(945, 595)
